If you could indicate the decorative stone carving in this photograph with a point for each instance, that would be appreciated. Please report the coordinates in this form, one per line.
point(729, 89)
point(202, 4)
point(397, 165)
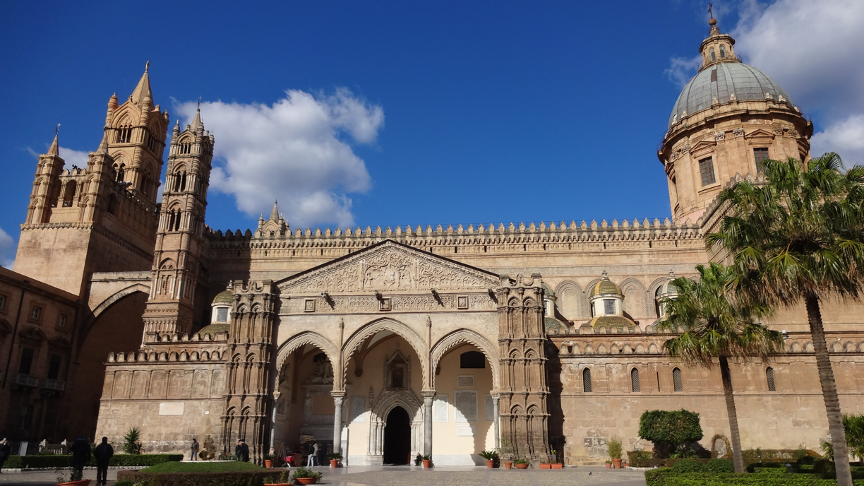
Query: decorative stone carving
point(739, 132)
point(718, 136)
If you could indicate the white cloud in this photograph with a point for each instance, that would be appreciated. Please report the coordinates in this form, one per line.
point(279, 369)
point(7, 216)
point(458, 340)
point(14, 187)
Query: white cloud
point(293, 151)
point(681, 69)
point(7, 250)
point(73, 157)
point(845, 137)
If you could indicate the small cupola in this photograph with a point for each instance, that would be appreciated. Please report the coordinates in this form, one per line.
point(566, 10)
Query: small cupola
point(222, 306)
point(606, 298)
point(666, 290)
point(717, 48)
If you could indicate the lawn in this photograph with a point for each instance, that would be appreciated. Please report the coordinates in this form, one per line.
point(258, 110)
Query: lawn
point(176, 467)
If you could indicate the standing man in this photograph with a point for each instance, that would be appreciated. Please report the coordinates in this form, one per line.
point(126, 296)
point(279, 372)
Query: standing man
point(193, 456)
point(238, 449)
point(5, 451)
point(80, 456)
point(244, 451)
point(312, 454)
point(103, 455)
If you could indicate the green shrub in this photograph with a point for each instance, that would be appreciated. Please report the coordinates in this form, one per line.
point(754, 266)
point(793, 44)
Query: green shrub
point(670, 431)
point(306, 473)
point(132, 445)
point(665, 476)
point(638, 455)
point(615, 449)
point(60, 461)
point(178, 467)
point(688, 466)
point(256, 477)
point(14, 461)
point(719, 465)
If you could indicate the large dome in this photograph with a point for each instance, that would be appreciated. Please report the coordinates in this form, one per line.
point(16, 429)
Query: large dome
point(721, 81)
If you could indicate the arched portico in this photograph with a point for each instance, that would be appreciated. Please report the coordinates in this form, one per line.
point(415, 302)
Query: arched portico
point(387, 325)
point(460, 337)
point(380, 410)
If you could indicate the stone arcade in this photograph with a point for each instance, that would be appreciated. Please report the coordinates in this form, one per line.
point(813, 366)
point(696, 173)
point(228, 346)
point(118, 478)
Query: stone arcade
point(385, 343)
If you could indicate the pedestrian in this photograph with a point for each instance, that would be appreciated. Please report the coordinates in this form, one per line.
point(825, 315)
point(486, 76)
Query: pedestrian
point(313, 454)
point(238, 448)
point(103, 454)
point(193, 456)
point(80, 456)
point(5, 451)
point(244, 451)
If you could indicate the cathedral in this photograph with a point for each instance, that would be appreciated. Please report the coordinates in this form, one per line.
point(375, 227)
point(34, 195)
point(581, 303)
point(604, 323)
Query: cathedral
point(382, 344)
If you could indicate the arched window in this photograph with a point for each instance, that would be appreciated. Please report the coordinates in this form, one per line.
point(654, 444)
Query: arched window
point(472, 360)
point(587, 386)
point(723, 52)
point(69, 194)
point(634, 380)
point(711, 53)
point(676, 380)
point(769, 375)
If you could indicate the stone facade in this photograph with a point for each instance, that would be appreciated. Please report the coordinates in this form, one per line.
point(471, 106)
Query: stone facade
point(387, 343)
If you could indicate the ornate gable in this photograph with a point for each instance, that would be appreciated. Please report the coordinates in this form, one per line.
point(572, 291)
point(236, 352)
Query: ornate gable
point(389, 266)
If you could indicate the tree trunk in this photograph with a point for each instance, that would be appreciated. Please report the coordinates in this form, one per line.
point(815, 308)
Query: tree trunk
point(726, 375)
point(829, 392)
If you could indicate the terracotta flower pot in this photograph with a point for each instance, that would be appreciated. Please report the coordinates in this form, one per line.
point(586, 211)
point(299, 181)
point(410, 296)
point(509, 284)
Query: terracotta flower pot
point(307, 481)
point(77, 482)
point(268, 463)
point(508, 465)
point(522, 466)
point(608, 464)
point(557, 466)
point(546, 466)
point(427, 463)
point(490, 463)
point(334, 463)
point(616, 462)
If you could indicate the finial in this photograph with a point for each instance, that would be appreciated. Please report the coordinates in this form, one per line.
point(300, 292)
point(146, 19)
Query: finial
point(711, 14)
point(605, 277)
point(147, 66)
point(57, 130)
point(199, 103)
point(671, 274)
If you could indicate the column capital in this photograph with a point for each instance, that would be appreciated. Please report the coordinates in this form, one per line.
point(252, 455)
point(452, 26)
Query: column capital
point(428, 393)
point(338, 394)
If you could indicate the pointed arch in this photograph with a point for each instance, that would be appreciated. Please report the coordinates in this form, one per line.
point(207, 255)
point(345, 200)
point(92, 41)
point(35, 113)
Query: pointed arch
point(638, 301)
point(570, 302)
point(369, 330)
point(460, 337)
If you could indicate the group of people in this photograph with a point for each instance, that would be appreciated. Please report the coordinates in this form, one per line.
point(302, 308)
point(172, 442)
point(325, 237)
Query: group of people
point(81, 456)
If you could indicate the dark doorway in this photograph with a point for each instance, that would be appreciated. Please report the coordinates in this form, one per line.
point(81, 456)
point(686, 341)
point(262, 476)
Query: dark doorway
point(397, 438)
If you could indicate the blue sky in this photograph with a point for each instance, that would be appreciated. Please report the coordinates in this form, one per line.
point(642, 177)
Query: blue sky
point(395, 113)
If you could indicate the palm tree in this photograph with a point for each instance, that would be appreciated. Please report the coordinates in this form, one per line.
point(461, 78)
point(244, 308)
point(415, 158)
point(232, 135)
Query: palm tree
point(799, 236)
point(716, 328)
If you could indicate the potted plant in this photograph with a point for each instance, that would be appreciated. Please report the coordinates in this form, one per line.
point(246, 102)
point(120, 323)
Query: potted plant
point(521, 463)
point(427, 460)
point(556, 465)
point(506, 453)
point(334, 459)
point(417, 460)
point(74, 479)
point(284, 478)
point(608, 463)
point(490, 456)
point(615, 451)
point(306, 476)
point(268, 460)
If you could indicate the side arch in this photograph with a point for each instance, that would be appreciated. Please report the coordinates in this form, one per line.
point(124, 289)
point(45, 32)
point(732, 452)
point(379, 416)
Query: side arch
point(314, 339)
point(570, 300)
point(370, 329)
point(459, 337)
point(642, 295)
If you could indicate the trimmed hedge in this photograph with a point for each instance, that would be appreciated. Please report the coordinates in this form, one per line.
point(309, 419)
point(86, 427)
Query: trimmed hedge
point(662, 462)
point(179, 467)
point(768, 476)
point(719, 465)
point(197, 478)
point(60, 461)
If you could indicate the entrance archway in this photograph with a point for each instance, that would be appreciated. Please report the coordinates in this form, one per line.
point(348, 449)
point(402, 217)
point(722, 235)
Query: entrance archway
point(397, 437)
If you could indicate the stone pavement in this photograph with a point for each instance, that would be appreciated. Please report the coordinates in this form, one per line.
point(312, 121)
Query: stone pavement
point(444, 475)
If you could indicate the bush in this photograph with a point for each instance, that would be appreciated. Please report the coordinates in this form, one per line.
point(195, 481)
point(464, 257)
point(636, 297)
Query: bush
point(194, 478)
point(665, 476)
point(719, 465)
point(132, 445)
point(60, 461)
point(14, 461)
point(669, 430)
point(178, 467)
point(306, 473)
point(615, 449)
point(208, 450)
point(688, 466)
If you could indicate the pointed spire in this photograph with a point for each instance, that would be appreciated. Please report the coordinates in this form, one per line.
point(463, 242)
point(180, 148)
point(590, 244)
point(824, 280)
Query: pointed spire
point(103, 146)
point(142, 90)
point(274, 215)
point(54, 150)
point(196, 122)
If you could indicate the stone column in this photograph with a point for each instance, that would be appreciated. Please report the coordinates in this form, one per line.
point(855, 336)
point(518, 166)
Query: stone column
point(495, 414)
point(428, 397)
point(273, 420)
point(338, 399)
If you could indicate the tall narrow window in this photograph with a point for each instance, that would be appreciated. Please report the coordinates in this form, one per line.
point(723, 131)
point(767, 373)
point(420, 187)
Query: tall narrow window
point(54, 366)
point(706, 170)
point(713, 56)
point(676, 380)
point(26, 361)
point(609, 306)
point(587, 386)
point(769, 375)
point(634, 380)
point(2, 301)
point(723, 52)
point(760, 154)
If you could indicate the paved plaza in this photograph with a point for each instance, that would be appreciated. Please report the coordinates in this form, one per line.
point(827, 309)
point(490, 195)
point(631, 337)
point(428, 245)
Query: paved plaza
point(410, 476)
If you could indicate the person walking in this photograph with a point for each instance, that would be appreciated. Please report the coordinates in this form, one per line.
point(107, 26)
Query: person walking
point(238, 449)
point(103, 454)
point(5, 451)
point(80, 456)
point(244, 451)
point(193, 456)
point(312, 454)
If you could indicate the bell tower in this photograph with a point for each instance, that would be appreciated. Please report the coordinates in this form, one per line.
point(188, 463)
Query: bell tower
point(180, 245)
point(100, 218)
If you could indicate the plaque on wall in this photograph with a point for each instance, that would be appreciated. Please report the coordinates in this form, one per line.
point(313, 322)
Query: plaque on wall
point(358, 409)
point(171, 408)
point(465, 430)
point(465, 381)
point(488, 408)
point(439, 409)
point(465, 403)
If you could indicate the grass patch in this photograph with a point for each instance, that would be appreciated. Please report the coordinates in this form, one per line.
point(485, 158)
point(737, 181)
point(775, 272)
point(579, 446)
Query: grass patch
point(178, 467)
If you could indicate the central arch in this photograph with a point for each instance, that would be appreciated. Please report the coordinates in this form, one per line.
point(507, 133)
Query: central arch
point(385, 324)
point(460, 337)
point(397, 437)
point(386, 402)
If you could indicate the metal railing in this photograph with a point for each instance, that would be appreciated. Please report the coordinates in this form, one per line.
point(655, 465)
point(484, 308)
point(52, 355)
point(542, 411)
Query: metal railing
point(26, 380)
point(55, 385)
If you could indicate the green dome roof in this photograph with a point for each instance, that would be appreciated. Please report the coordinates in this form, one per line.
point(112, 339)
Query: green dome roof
point(665, 289)
point(225, 297)
point(548, 291)
point(553, 324)
point(611, 320)
point(605, 286)
point(214, 329)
